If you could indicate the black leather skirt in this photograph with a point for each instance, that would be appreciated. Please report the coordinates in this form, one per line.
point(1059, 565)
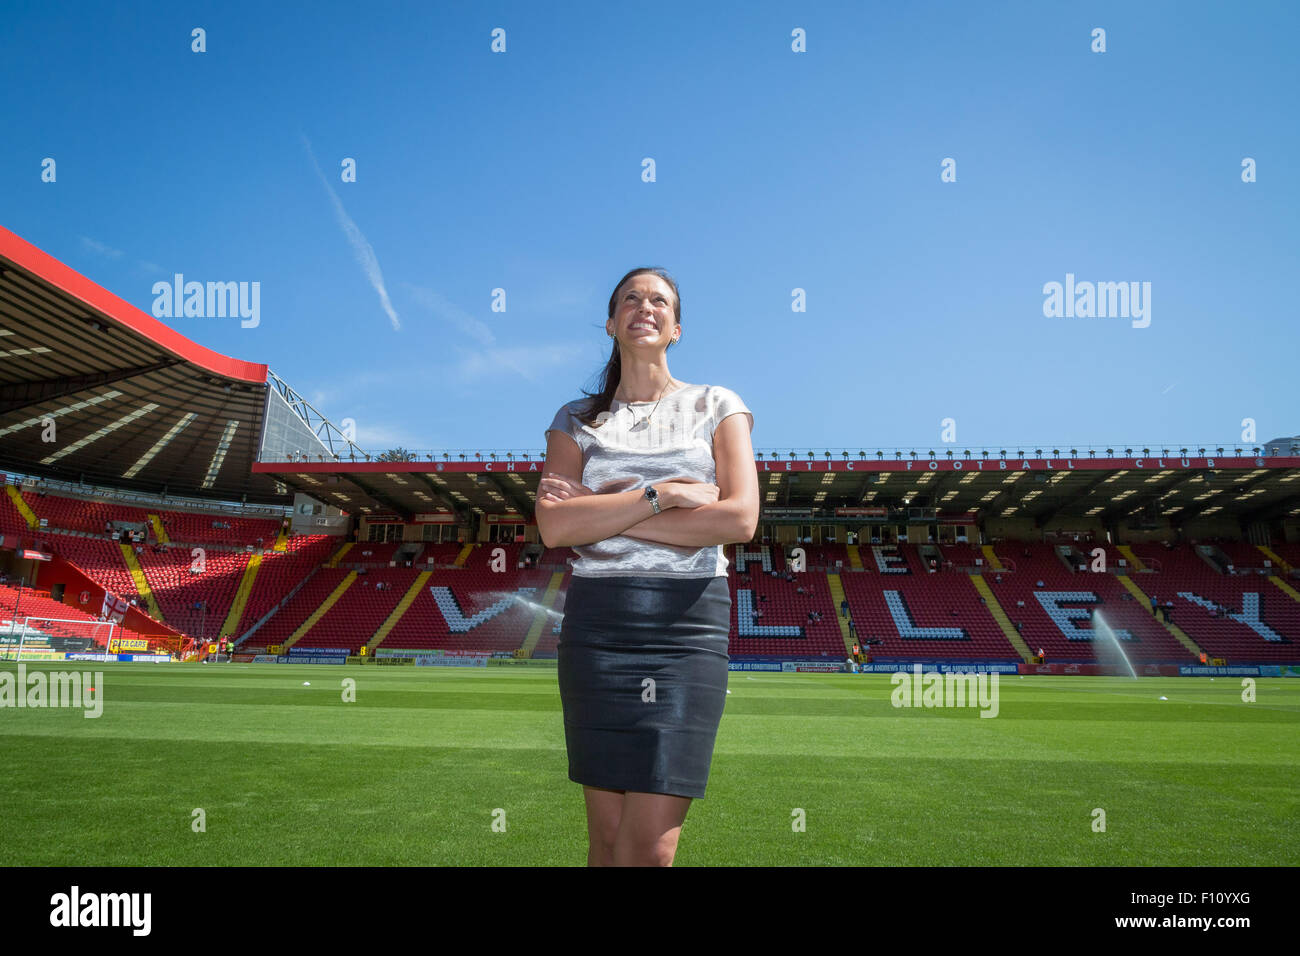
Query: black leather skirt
point(643, 680)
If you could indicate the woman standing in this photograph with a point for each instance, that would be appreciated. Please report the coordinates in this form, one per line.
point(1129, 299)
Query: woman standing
point(646, 480)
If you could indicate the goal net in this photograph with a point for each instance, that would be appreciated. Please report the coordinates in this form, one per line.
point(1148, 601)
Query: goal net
point(47, 638)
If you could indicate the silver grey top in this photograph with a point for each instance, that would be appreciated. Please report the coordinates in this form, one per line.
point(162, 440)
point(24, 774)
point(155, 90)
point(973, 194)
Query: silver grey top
point(621, 453)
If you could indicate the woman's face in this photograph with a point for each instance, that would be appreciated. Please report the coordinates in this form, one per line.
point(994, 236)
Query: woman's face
point(643, 314)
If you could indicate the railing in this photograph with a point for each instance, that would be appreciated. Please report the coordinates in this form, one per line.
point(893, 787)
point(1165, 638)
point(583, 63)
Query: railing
point(271, 613)
point(1031, 450)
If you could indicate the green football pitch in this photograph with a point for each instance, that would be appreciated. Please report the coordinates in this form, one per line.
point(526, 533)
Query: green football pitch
point(233, 764)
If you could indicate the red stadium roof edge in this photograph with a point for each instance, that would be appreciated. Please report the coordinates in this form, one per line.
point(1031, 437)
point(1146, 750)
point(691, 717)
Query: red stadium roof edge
point(24, 254)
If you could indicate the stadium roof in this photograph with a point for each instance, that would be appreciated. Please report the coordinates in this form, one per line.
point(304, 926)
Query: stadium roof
point(1142, 488)
point(93, 389)
point(136, 405)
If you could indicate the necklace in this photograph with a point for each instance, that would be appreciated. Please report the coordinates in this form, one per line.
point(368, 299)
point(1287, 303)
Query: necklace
point(645, 422)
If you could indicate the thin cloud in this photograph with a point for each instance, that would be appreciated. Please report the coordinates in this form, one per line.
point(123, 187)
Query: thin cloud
point(94, 245)
point(377, 439)
point(451, 313)
point(529, 363)
point(108, 252)
point(330, 395)
point(361, 248)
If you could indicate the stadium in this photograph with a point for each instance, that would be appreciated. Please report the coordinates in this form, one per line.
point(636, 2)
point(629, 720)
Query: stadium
point(292, 598)
point(262, 602)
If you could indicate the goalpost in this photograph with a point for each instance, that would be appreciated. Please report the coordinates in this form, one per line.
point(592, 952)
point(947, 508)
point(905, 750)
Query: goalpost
point(36, 633)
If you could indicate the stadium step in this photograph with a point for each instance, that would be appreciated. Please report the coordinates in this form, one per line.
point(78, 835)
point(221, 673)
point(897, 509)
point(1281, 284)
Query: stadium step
point(159, 531)
point(319, 613)
point(463, 556)
point(837, 598)
point(28, 514)
point(333, 562)
point(231, 625)
point(541, 619)
point(1295, 595)
point(141, 584)
point(1008, 629)
point(407, 600)
point(281, 541)
point(1144, 601)
point(1134, 561)
point(1267, 552)
point(855, 559)
point(991, 557)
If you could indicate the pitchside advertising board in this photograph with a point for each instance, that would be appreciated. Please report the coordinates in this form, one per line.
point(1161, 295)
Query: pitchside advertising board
point(1241, 670)
point(315, 655)
point(942, 667)
point(129, 645)
point(427, 652)
point(836, 666)
point(427, 660)
point(431, 657)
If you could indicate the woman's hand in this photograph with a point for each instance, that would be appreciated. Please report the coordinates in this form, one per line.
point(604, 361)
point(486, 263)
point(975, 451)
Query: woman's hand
point(557, 487)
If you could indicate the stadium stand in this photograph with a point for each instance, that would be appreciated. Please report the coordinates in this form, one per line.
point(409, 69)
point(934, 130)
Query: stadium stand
point(256, 522)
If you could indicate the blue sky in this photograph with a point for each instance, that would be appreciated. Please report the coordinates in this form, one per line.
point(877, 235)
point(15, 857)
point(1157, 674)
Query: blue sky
point(775, 171)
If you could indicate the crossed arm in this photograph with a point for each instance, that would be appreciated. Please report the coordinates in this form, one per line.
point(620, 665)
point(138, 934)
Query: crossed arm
point(693, 527)
point(732, 518)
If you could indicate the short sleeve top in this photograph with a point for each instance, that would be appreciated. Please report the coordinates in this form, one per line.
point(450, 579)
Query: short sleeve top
point(636, 445)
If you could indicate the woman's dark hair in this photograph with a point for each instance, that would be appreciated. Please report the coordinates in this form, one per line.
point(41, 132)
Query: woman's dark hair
point(600, 401)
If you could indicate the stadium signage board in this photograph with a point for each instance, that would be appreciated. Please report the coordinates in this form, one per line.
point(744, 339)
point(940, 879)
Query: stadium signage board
point(944, 667)
point(429, 660)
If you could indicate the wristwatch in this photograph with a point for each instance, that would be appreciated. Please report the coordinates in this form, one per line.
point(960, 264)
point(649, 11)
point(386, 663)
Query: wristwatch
point(652, 496)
